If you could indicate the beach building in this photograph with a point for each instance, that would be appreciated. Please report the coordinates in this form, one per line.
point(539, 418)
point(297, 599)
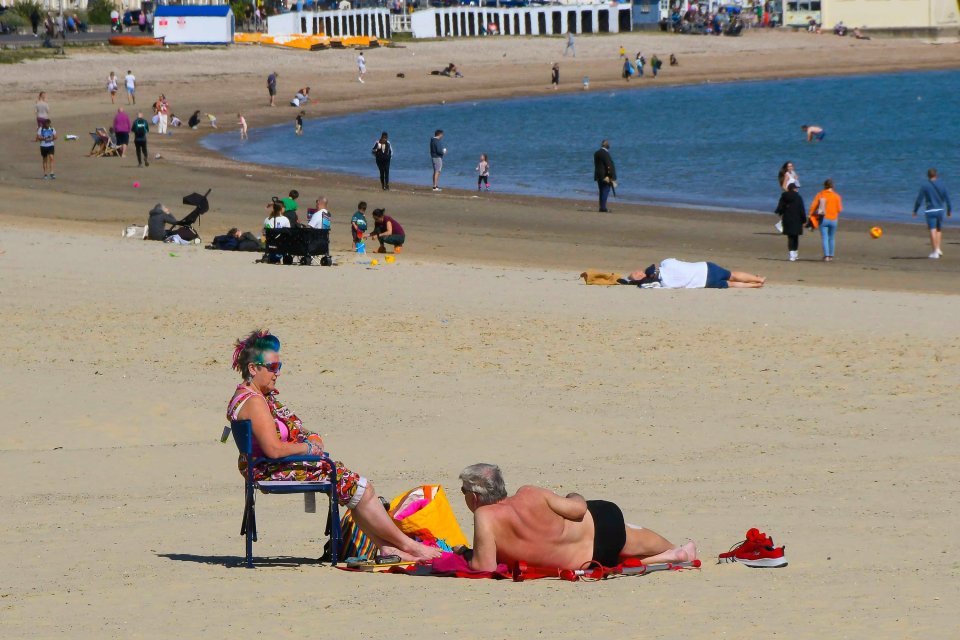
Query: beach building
point(929, 18)
point(196, 24)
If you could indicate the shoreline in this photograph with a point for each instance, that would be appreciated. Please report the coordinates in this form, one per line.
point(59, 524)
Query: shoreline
point(507, 229)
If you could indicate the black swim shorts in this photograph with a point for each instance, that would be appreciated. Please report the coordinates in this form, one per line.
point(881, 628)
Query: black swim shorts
point(609, 532)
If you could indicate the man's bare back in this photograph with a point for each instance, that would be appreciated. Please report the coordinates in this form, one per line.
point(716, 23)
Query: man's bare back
point(543, 529)
point(536, 526)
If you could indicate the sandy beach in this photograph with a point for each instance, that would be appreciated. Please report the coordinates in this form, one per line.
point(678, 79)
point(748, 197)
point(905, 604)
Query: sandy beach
point(821, 408)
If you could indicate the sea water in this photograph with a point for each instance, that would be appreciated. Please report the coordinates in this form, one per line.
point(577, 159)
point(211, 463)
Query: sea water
point(710, 146)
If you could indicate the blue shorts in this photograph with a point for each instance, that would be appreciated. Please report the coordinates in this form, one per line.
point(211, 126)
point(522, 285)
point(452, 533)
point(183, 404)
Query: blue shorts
point(820, 136)
point(934, 220)
point(717, 277)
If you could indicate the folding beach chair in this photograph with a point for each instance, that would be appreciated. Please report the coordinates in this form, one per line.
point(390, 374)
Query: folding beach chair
point(243, 437)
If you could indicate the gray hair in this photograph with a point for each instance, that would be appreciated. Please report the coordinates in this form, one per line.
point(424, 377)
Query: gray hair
point(485, 481)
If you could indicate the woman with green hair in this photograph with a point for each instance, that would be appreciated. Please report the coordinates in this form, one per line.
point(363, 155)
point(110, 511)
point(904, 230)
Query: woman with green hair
point(278, 432)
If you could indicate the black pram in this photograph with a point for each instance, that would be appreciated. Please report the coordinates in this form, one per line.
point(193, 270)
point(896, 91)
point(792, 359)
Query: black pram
point(184, 228)
point(302, 242)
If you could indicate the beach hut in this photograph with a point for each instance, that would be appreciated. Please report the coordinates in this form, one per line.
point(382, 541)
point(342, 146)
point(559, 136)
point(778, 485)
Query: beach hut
point(194, 24)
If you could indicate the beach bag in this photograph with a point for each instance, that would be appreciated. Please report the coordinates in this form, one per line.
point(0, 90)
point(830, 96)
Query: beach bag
point(425, 514)
point(355, 543)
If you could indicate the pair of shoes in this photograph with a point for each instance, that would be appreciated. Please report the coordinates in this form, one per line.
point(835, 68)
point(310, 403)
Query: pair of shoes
point(792, 256)
point(756, 551)
point(934, 256)
point(437, 189)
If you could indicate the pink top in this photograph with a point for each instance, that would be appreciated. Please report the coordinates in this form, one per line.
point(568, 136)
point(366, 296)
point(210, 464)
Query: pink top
point(121, 122)
point(284, 419)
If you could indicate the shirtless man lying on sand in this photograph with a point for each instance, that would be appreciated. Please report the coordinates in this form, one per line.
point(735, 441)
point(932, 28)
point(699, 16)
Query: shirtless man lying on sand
point(544, 529)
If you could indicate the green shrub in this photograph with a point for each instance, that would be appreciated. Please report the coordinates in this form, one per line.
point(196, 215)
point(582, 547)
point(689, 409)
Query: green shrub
point(25, 8)
point(98, 11)
point(15, 20)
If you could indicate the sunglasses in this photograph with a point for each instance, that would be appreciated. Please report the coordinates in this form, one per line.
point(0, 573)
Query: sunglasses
point(272, 367)
point(466, 491)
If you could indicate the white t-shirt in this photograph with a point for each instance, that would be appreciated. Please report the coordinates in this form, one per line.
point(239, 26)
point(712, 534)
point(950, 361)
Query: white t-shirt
point(361, 63)
point(280, 222)
point(319, 219)
point(131, 81)
point(675, 274)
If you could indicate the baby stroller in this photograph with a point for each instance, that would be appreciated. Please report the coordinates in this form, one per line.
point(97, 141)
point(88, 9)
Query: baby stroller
point(184, 228)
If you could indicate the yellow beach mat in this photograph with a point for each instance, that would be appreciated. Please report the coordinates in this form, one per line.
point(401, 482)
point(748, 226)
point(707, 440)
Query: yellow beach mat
point(605, 278)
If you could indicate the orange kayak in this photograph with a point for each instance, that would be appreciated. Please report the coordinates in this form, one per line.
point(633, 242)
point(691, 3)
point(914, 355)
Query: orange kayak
point(135, 41)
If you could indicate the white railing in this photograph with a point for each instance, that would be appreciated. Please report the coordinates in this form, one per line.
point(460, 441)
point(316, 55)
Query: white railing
point(400, 23)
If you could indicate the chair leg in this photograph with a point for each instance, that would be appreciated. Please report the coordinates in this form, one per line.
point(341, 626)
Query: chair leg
point(336, 538)
point(249, 526)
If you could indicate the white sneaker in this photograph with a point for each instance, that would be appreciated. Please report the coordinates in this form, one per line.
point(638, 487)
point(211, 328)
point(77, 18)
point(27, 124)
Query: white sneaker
point(940, 252)
point(779, 227)
point(934, 256)
point(437, 189)
point(793, 256)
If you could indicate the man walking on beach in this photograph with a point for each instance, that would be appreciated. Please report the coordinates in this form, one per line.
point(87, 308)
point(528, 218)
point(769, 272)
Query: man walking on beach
point(570, 45)
point(131, 82)
point(936, 202)
point(437, 151)
point(541, 528)
point(272, 87)
point(604, 173)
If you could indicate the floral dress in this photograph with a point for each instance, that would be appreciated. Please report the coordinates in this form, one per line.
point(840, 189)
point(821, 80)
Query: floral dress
point(290, 429)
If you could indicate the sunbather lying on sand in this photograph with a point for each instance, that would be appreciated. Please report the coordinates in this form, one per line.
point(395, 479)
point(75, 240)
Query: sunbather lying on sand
point(676, 274)
point(543, 529)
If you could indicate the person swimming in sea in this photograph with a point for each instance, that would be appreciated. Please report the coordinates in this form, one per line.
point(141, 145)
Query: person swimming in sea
point(815, 133)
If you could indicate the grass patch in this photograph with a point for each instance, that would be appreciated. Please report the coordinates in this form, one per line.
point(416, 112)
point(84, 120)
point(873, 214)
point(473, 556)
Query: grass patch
point(14, 56)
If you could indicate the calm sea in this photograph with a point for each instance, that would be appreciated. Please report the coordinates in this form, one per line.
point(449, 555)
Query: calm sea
point(709, 145)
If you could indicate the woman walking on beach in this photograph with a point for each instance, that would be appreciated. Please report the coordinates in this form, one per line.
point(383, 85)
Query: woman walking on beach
point(112, 87)
point(42, 109)
point(793, 216)
point(383, 153)
point(785, 177)
point(827, 206)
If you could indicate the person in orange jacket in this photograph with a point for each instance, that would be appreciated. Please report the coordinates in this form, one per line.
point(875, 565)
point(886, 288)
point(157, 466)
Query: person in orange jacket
point(826, 208)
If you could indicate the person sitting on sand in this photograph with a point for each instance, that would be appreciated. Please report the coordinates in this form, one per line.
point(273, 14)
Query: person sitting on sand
point(541, 528)
point(302, 97)
point(157, 222)
point(278, 432)
point(451, 71)
point(675, 274)
point(815, 133)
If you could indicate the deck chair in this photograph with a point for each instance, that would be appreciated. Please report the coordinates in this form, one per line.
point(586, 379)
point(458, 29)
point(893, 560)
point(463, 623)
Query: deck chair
point(99, 139)
point(243, 437)
point(113, 149)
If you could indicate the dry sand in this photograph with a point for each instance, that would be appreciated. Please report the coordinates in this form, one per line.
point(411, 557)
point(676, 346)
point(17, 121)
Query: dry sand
point(825, 415)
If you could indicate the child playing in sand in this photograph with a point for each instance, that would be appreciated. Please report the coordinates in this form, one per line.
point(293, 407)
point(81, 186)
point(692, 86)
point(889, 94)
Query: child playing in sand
point(358, 225)
point(483, 169)
point(299, 126)
point(243, 126)
point(213, 120)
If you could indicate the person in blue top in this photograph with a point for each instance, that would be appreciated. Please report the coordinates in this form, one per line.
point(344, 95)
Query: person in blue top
point(936, 203)
point(46, 136)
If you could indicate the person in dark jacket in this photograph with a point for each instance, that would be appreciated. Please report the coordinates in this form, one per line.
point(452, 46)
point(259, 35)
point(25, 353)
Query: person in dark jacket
point(794, 215)
point(604, 173)
point(382, 153)
point(437, 151)
point(157, 222)
point(139, 130)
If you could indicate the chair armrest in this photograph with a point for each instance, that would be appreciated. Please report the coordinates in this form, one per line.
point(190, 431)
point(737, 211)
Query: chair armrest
point(319, 458)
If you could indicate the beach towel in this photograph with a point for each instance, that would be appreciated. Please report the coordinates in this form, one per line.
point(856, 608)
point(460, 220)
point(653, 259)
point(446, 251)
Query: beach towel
point(451, 565)
point(605, 278)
